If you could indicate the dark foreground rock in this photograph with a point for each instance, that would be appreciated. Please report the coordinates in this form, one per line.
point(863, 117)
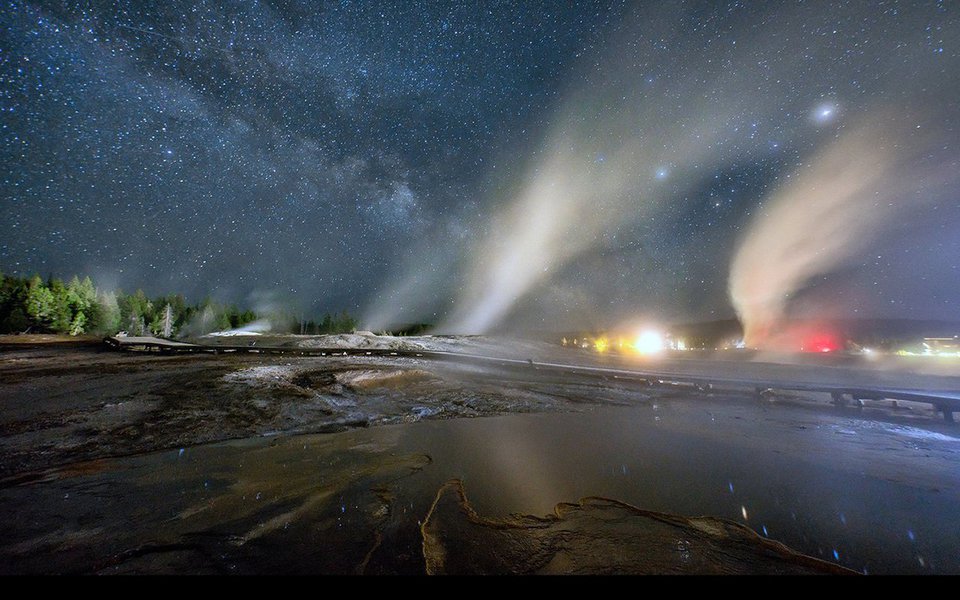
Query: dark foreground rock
point(599, 536)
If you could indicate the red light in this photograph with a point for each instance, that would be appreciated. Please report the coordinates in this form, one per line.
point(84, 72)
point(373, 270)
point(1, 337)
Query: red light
point(820, 342)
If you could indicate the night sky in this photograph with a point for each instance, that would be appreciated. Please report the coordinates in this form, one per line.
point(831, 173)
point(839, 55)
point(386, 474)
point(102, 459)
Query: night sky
point(482, 164)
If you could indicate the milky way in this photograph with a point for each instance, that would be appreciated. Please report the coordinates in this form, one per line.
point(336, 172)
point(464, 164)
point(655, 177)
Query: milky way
point(390, 157)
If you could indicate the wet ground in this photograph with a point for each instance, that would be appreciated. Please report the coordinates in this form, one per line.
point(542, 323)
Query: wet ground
point(119, 463)
point(63, 403)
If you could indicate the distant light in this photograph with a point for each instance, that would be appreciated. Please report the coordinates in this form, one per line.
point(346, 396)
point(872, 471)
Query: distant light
point(601, 344)
point(663, 173)
point(824, 113)
point(822, 341)
point(649, 342)
point(743, 511)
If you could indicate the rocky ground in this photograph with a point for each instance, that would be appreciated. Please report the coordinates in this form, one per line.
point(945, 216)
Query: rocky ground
point(65, 402)
point(108, 462)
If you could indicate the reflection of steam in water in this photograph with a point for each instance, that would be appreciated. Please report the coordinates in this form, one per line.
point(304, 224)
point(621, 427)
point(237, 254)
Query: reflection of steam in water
point(852, 194)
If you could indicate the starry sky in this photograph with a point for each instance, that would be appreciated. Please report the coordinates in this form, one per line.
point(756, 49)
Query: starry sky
point(481, 164)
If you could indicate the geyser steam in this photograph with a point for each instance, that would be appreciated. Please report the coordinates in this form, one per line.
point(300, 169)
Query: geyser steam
point(619, 205)
point(851, 194)
point(562, 211)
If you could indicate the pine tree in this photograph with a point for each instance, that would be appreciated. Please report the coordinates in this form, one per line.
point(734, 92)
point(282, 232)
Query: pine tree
point(76, 327)
point(61, 307)
point(39, 302)
point(78, 307)
point(13, 294)
point(326, 325)
point(83, 294)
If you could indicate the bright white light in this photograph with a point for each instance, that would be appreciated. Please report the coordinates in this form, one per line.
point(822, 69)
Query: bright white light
point(663, 173)
point(649, 342)
point(824, 113)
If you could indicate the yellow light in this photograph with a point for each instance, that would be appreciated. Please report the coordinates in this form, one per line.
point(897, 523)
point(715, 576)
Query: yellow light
point(601, 344)
point(649, 342)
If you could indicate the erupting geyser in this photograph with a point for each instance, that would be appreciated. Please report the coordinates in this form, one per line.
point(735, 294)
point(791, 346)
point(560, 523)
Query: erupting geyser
point(830, 213)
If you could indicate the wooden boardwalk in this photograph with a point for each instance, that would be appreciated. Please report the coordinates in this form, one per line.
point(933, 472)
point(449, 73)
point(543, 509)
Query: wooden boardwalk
point(164, 346)
point(147, 343)
point(946, 402)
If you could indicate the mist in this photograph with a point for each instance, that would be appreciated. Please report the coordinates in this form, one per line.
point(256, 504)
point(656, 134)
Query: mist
point(854, 196)
point(618, 205)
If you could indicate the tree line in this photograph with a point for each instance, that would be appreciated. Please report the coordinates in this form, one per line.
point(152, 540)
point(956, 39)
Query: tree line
point(76, 307)
point(342, 323)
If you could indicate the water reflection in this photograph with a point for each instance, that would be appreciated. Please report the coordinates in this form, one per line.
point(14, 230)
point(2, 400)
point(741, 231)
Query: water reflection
point(882, 500)
point(794, 476)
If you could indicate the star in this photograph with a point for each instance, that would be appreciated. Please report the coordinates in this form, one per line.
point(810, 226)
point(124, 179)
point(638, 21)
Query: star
point(824, 113)
point(368, 155)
